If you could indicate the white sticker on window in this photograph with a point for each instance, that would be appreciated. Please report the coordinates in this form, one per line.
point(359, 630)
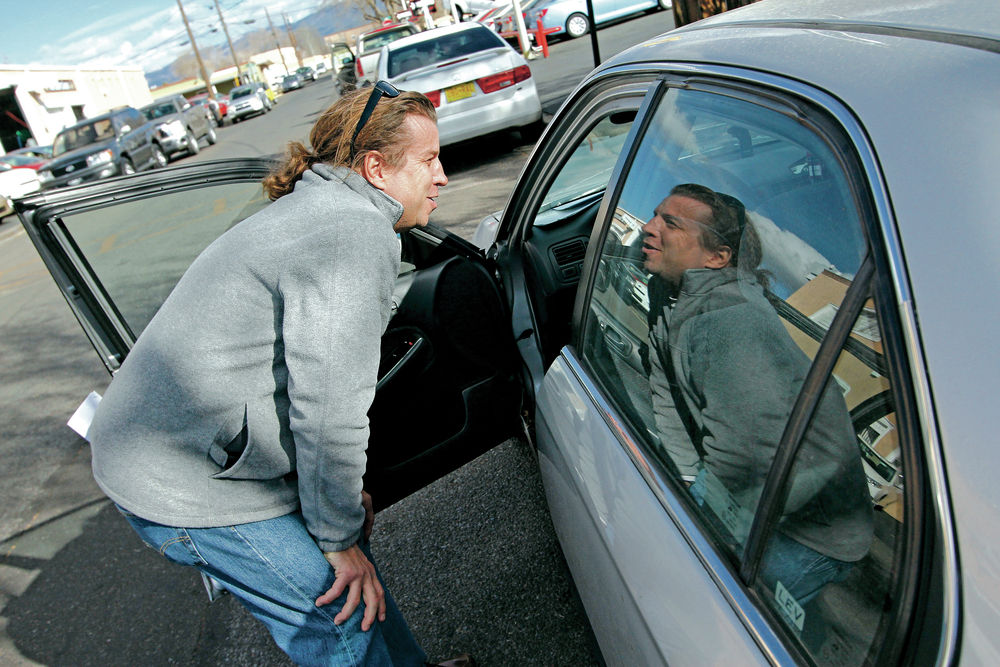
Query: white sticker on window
point(791, 608)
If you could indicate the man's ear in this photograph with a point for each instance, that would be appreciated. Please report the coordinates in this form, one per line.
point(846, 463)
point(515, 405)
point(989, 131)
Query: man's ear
point(374, 168)
point(719, 258)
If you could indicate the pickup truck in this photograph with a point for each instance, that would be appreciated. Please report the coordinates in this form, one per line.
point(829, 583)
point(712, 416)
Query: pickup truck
point(180, 125)
point(120, 141)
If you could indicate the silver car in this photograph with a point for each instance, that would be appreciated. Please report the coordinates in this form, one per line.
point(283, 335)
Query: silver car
point(859, 141)
point(478, 83)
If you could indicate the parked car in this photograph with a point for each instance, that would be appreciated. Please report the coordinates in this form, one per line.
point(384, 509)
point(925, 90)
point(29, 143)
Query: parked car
point(291, 82)
point(247, 100)
point(15, 182)
point(477, 82)
point(23, 161)
point(569, 17)
point(121, 141)
point(370, 45)
point(32, 157)
point(860, 219)
point(180, 125)
point(345, 76)
point(306, 74)
point(215, 107)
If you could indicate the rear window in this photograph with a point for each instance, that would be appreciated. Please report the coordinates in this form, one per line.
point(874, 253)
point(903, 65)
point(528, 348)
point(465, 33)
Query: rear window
point(377, 40)
point(444, 48)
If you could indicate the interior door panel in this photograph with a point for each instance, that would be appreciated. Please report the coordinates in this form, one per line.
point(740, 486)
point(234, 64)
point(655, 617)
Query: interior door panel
point(453, 391)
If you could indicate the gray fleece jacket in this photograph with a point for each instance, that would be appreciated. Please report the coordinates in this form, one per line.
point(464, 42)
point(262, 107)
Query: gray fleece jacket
point(246, 396)
point(737, 372)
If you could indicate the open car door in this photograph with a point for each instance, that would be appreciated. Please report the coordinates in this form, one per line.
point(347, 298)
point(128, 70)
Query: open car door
point(448, 386)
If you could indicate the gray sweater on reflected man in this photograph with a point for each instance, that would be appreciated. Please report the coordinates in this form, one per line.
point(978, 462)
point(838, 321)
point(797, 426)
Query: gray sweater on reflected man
point(266, 350)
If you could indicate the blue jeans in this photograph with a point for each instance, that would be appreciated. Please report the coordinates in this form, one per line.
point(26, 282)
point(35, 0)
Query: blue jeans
point(801, 570)
point(277, 571)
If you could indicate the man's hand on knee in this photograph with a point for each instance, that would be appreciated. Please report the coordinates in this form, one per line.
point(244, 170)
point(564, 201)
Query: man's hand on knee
point(356, 575)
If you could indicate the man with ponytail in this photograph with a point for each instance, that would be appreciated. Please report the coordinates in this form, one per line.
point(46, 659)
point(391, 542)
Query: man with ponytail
point(233, 437)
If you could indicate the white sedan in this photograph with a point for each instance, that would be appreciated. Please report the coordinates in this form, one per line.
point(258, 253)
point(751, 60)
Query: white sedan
point(15, 182)
point(477, 82)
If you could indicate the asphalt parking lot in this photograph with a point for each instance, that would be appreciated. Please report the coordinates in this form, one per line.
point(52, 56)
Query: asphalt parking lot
point(471, 559)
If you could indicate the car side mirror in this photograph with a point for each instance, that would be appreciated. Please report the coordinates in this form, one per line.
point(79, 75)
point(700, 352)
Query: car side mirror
point(185, 107)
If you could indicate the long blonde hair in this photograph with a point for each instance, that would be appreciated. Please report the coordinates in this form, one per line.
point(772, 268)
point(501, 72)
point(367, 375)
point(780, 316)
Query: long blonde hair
point(330, 137)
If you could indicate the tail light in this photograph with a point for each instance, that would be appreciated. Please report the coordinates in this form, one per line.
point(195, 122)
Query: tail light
point(495, 82)
point(357, 66)
point(435, 97)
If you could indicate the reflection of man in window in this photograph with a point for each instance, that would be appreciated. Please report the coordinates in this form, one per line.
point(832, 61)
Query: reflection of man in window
point(724, 376)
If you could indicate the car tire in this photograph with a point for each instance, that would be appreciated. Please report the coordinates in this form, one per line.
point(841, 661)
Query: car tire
point(212, 138)
point(125, 167)
point(160, 159)
point(192, 141)
point(577, 25)
point(665, 4)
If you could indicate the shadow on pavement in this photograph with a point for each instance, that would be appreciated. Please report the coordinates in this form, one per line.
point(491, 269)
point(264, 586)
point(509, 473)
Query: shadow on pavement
point(107, 599)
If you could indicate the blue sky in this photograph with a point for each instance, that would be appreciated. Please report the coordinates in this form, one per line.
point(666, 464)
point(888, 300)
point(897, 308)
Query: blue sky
point(145, 33)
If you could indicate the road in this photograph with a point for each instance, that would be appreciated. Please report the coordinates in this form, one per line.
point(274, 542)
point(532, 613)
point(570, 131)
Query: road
point(471, 559)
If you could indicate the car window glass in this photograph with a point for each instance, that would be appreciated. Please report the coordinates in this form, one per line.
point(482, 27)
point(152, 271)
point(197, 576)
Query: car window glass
point(138, 250)
point(587, 171)
point(445, 47)
point(834, 604)
point(730, 250)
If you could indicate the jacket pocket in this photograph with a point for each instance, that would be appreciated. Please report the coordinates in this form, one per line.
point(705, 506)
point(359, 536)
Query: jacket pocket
point(256, 457)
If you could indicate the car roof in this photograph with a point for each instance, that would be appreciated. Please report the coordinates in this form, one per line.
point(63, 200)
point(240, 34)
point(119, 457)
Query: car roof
point(387, 28)
point(430, 35)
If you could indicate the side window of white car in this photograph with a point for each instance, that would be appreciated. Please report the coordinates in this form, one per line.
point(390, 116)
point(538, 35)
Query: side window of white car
point(736, 241)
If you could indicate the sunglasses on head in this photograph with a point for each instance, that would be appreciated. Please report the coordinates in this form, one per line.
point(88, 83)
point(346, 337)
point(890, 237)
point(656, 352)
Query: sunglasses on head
point(381, 88)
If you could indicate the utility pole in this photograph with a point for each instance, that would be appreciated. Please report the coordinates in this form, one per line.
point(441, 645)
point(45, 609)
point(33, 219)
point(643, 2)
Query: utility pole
point(291, 36)
point(201, 65)
point(277, 44)
point(231, 49)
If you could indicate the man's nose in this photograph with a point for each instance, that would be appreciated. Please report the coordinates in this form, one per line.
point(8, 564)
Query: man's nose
point(441, 179)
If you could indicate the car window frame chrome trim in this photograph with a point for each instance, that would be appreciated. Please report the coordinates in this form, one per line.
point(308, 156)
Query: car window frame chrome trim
point(883, 238)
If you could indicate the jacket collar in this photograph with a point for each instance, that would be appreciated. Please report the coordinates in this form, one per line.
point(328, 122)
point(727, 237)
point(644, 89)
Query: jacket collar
point(385, 204)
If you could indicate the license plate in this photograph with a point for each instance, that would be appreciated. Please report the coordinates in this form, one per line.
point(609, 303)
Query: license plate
point(460, 92)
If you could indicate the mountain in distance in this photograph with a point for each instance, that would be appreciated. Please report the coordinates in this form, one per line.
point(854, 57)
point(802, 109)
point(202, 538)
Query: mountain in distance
point(326, 20)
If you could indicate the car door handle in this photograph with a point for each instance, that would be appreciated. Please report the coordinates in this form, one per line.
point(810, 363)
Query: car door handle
point(616, 342)
point(404, 356)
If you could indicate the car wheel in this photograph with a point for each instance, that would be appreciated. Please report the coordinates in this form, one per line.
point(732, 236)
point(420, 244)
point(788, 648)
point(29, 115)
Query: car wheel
point(211, 136)
point(159, 157)
point(577, 25)
point(125, 167)
point(666, 4)
point(193, 146)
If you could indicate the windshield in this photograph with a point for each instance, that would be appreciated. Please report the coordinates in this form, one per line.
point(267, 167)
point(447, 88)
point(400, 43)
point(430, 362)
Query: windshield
point(154, 111)
point(446, 47)
point(242, 91)
point(83, 135)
